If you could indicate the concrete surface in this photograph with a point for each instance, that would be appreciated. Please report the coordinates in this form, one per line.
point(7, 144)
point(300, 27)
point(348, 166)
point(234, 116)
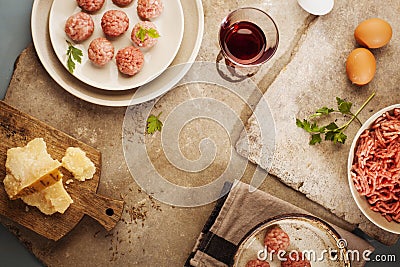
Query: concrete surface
point(137, 242)
point(158, 234)
point(165, 234)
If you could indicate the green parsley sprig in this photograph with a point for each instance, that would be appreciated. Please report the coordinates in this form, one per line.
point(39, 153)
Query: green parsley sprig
point(73, 54)
point(332, 131)
point(141, 33)
point(154, 124)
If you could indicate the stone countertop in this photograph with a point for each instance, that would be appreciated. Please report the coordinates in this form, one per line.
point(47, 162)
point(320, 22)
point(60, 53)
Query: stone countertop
point(320, 172)
point(158, 234)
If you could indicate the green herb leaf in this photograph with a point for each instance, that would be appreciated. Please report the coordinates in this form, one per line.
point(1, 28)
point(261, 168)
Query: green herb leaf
point(315, 128)
point(141, 33)
point(70, 65)
point(340, 138)
point(322, 111)
point(77, 54)
point(343, 106)
point(315, 139)
point(153, 33)
point(305, 124)
point(339, 101)
point(299, 123)
point(154, 124)
point(308, 127)
point(73, 53)
point(331, 131)
point(330, 136)
point(332, 126)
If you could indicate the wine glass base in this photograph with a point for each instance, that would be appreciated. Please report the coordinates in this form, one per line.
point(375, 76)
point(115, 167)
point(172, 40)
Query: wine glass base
point(232, 72)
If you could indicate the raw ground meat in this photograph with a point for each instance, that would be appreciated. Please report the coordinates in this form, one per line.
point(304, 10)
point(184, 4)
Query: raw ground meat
point(150, 9)
point(148, 41)
point(79, 27)
point(130, 60)
point(90, 5)
point(100, 51)
point(257, 263)
point(376, 166)
point(276, 239)
point(114, 23)
point(122, 3)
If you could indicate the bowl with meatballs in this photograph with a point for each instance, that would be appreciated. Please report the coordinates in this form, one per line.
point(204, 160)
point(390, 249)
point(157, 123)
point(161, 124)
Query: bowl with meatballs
point(292, 240)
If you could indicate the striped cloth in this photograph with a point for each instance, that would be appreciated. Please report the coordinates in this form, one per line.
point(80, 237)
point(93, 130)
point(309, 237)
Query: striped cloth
point(235, 215)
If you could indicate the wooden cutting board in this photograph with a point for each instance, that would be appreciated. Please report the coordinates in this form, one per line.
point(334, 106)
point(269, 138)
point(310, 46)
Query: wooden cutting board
point(17, 129)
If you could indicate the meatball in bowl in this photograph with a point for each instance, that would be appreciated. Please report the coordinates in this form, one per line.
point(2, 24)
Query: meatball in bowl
point(145, 34)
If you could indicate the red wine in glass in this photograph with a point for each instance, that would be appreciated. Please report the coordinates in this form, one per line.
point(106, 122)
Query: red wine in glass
point(248, 37)
point(244, 42)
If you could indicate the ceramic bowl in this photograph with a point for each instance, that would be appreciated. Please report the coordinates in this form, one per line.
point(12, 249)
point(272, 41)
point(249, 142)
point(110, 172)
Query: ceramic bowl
point(360, 200)
point(307, 234)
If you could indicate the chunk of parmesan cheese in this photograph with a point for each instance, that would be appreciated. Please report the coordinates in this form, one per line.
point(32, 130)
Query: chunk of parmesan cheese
point(50, 200)
point(76, 161)
point(30, 169)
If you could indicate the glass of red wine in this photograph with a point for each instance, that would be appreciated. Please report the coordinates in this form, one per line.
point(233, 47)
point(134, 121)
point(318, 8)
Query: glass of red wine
point(248, 37)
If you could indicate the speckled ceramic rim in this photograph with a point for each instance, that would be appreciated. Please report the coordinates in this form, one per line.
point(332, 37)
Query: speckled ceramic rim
point(291, 216)
point(363, 205)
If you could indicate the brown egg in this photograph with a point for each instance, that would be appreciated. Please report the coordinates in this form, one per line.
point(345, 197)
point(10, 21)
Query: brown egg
point(360, 66)
point(373, 33)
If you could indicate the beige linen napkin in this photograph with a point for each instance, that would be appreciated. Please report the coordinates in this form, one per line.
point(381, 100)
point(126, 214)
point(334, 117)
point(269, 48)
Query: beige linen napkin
point(236, 214)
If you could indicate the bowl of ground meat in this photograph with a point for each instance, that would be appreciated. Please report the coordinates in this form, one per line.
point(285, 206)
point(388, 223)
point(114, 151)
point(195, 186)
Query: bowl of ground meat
point(291, 240)
point(374, 168)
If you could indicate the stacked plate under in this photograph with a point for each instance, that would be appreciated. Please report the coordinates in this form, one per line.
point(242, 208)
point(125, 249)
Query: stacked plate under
point(106, 86)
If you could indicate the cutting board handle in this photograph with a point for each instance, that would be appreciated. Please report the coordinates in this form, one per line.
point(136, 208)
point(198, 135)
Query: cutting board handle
point(105, 210)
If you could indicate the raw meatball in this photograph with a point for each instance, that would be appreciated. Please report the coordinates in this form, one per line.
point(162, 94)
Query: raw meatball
point(296, 261)
point(122, 2)
point(90, 5)
point(147, 40)
point(149, 9)
point(276, 239)
point(257, 263)
point(114, 23)
point(100, 51)
point(130, 60)
point(79, 27)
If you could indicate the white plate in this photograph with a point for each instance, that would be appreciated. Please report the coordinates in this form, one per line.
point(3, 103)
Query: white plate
point(306, 233)
point(361, 201)
point(317, 7)
point(170, 25)
point(192, 36)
